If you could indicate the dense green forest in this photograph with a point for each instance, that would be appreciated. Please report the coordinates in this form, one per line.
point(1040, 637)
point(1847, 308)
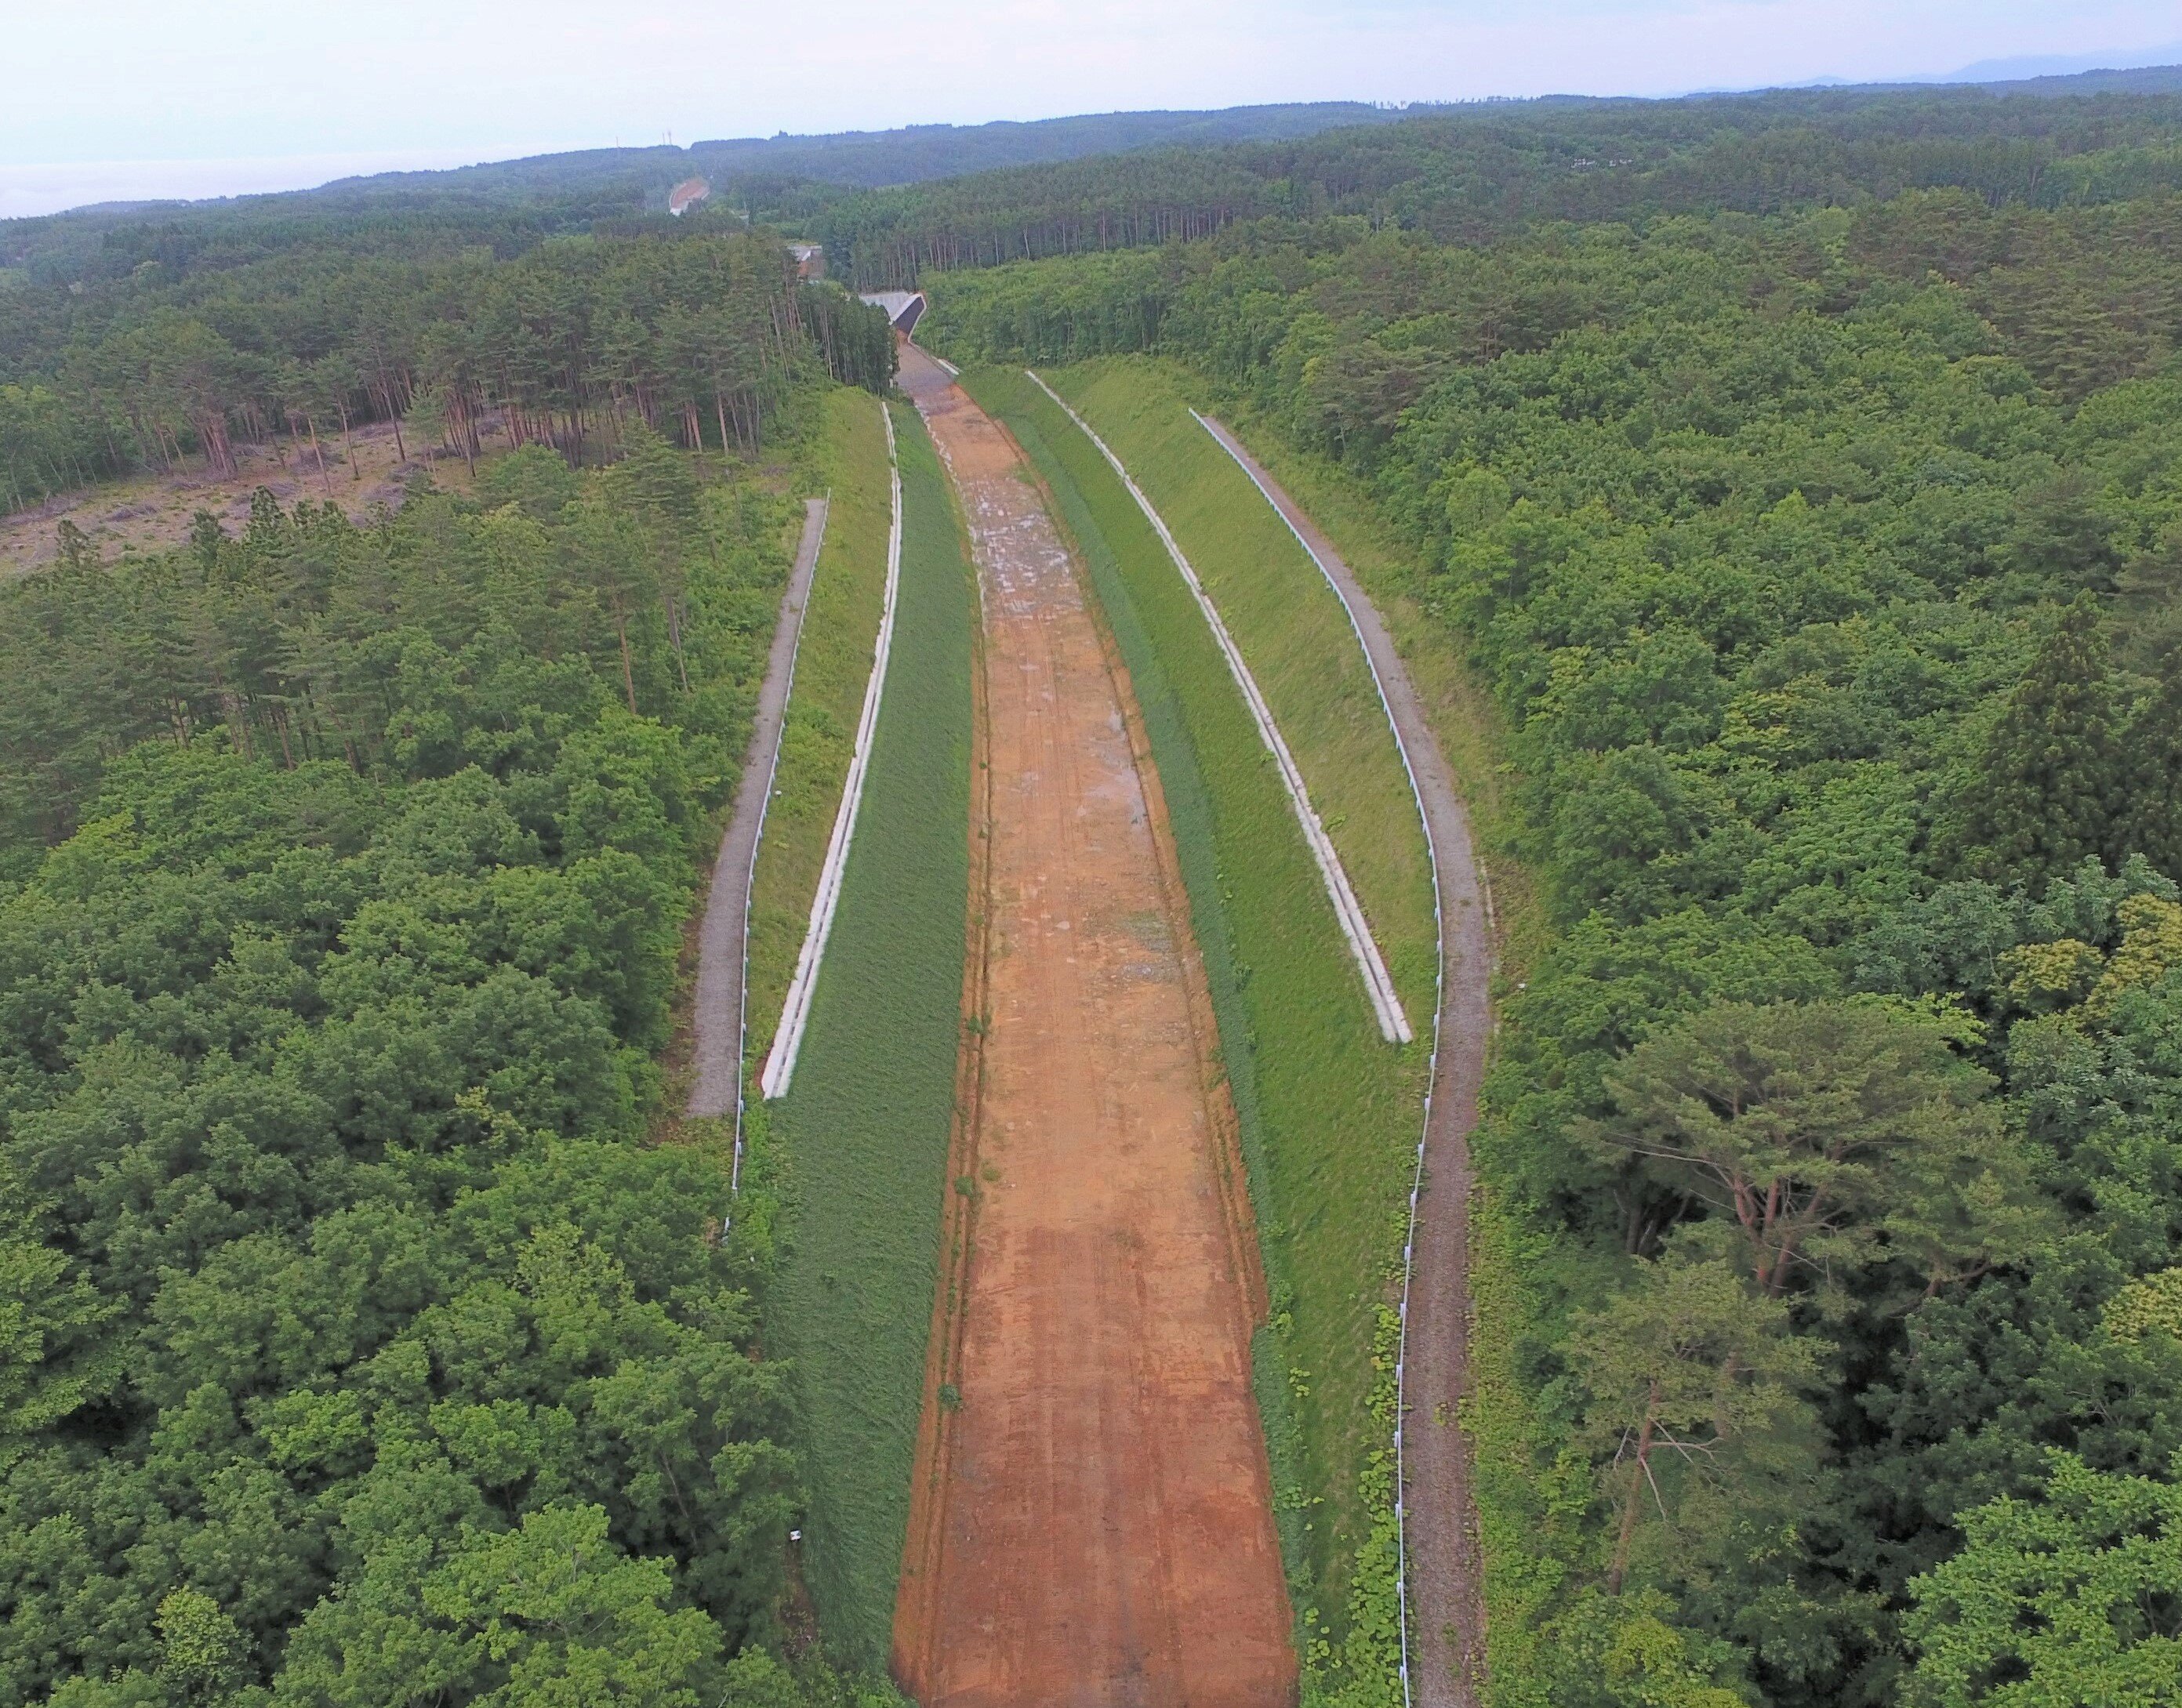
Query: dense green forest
point(1826, 567)
point(565, 347)
point(1801, 476)
point(552, 295)
point(1473, 175)
point(357, 1346)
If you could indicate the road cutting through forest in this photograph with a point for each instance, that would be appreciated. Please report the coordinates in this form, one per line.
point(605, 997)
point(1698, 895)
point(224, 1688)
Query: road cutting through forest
point(1092, 1520)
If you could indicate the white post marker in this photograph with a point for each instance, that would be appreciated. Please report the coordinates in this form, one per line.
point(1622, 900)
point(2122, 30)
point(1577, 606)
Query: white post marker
point(795, 1015)
point(1378, 982)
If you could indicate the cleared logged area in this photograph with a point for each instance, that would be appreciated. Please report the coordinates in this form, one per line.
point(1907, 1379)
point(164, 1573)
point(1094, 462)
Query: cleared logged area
point(1093, 1519)
point(858, 1147)
point(1328, 1111)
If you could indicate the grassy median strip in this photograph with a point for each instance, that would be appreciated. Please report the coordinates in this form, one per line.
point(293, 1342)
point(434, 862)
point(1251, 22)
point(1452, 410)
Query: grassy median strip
point(1298, 643)
point(1328, 1110)
point(857, 1150)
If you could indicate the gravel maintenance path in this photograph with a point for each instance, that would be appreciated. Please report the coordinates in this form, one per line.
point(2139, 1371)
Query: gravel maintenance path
point(1446, 1609)
point(717, 1015)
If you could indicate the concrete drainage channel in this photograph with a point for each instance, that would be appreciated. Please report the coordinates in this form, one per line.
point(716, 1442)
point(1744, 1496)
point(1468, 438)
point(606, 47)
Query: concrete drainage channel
point(788, 1041)
point(1441, 1560)
point(1378, 983)
point(720, 1015)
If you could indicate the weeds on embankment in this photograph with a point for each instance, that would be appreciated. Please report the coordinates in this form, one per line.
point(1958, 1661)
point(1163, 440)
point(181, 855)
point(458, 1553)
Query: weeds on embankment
point(857, 1151)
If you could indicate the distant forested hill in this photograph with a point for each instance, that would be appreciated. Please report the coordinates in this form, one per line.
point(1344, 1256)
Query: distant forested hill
point(509, 201)
point(867, 158)
point(1473, 174)
point(888, 203)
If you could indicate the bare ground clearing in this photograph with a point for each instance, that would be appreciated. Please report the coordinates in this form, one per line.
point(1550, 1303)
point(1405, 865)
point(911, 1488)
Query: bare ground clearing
point(1092, 1522)
point(151, 512)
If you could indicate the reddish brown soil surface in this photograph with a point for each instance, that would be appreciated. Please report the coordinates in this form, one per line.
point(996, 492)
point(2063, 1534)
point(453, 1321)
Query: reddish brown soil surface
point(1094, 1524)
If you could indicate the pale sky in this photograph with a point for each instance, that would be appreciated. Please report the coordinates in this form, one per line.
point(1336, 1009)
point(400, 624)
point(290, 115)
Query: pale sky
point(109, 99)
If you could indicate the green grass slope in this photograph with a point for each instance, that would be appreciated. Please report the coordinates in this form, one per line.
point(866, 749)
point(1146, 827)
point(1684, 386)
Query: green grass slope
point(1296, 640)
point(1512, 1274)
point(1328, 1110)
point(818, 733)
point(857, 1150)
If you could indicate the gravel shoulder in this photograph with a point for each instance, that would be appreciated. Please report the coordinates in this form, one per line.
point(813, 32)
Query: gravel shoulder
point(717, 1014)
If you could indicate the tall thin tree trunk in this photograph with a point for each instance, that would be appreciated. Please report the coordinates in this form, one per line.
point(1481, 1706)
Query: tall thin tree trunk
point(627, 674)
point(325, 480)
point(1629, 1508)
point(674, 636)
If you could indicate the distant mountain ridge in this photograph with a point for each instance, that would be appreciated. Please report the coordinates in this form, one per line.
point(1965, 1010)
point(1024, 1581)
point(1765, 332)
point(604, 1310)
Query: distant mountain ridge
point(873, 159)
point(2164, 61)
point(888, 203)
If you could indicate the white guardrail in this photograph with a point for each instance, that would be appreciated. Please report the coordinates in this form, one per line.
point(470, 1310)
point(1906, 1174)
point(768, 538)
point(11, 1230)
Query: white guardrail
point(1378, 982)
point(1431, 1073)
point(795, 1015)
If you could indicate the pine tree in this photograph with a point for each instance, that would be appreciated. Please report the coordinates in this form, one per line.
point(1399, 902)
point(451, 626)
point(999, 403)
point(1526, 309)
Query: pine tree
point(2150, 821)
point(2049, 777)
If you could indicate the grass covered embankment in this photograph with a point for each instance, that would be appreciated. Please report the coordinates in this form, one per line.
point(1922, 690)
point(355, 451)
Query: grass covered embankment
point(1328, 1111)
point(856, 1152)
point(1511, 1272)
point(818, 733)
point(1298, 643)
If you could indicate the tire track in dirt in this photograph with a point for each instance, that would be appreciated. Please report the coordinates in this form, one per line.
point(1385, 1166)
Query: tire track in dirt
point(1440, 1521)
point(1092, 1520)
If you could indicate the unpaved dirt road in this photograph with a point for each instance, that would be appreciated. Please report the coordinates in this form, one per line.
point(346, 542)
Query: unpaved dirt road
point(1092, 1524)
point(717, 1014)
point(1448, 1667)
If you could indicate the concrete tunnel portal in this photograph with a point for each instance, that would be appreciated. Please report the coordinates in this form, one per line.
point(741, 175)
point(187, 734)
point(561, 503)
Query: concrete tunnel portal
point(905, 309)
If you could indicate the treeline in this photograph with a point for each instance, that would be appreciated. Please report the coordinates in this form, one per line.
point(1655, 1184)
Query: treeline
point(1828, 572)
point(567, 346)
point(358, 1349)
point(1477, 175)
point(100, 247)
point(513, 205)
point(1348, 327)
point(250, 643)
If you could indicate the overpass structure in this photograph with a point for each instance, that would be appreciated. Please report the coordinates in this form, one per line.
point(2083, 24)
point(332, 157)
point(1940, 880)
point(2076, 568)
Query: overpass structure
point(905, 309)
